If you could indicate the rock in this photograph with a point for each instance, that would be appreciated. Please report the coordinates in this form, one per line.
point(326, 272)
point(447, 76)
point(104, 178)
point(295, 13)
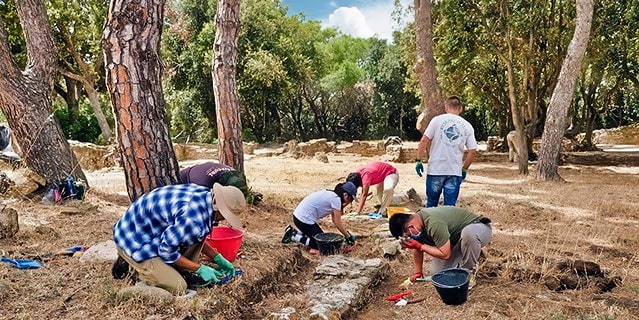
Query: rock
point(8, 222)
point(321, 156)
point(249, 147)
point(586, 268)
point(47, 231)
point(5, 289)
point(340, 286)
point(94, 157)
point(552, 283)
point(393, 140)
point(313, 146)
point(194, 151)
point(146, 294)
point(393, 153)
point(71, 211)
point(391, 249)
point(104, 251)
point(283, 314)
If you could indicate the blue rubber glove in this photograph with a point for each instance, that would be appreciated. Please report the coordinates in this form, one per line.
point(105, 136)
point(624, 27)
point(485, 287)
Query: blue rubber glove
point(208, 274)
point(224, 265)
point(419, 167)
point(351, 239)
point(463, 174)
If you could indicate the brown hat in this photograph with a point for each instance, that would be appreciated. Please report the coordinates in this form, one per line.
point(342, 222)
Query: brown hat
point(231, 203)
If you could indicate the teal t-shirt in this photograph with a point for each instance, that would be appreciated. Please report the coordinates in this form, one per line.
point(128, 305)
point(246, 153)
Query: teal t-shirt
point(445, 223)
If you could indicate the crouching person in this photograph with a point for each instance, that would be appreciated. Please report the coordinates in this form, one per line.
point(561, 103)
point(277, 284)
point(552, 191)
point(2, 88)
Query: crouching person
point(162, 234)
point(452, 236)
point(316, 206)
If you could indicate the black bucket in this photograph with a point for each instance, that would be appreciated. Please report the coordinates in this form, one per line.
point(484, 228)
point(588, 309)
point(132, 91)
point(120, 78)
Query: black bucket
point(452, 285)
point(329, 243)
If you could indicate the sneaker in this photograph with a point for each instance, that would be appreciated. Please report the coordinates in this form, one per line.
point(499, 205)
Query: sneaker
point(289, 232)
point(193, 280)
point(471, 282)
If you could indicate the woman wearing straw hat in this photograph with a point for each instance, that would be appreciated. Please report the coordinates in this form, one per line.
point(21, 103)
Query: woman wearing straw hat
point(161, 235)
point(316, 206)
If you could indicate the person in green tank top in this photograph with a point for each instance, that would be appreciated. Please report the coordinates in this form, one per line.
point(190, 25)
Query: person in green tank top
point(452, 236)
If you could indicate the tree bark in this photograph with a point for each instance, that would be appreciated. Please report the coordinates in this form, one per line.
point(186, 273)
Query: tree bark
point(518, 112)
point(229, 126)
point(425, 65)
point(130, 43)
point(25, 97)
point(562, 95)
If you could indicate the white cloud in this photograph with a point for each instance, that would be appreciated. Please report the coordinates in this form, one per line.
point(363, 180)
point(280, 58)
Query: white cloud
point(365, 21)
point(333, 4)
point(350, 21)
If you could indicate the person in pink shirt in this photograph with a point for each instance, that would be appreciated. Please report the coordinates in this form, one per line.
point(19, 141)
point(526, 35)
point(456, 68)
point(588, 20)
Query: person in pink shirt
point(381, 174)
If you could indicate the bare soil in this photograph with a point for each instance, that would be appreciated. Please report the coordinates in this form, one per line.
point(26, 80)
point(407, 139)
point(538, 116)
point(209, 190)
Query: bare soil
point(593, 217)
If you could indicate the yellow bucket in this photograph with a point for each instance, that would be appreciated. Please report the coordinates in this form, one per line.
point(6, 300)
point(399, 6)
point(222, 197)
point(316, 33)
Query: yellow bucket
point(390, 211)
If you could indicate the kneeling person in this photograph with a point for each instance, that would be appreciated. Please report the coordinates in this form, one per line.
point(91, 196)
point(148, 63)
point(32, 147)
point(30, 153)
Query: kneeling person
point(162, 234)
point(452, 236)
point(318, 205)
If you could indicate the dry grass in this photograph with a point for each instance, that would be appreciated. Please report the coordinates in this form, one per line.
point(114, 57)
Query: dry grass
point(593, 216)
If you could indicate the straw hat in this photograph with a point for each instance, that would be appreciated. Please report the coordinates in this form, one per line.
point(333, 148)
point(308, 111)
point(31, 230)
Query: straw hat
point(231, 203)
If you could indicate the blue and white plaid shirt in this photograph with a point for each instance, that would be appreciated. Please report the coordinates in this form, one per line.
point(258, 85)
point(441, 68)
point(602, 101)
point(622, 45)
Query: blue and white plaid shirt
point(165, 220)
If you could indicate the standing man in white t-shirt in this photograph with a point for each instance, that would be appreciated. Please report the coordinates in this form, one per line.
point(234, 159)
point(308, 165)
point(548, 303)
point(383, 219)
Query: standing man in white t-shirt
point(444, 141)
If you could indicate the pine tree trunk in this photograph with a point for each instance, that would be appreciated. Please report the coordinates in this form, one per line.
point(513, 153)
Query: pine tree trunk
point(229, 126)
point(425, 65)
point(562, 95)
point(25, 98)
point(131, 42)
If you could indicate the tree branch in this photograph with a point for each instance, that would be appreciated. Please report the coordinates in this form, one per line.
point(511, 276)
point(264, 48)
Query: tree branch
point(7, 64)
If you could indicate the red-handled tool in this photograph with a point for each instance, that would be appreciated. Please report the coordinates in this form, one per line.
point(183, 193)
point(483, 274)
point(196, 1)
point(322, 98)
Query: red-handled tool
point(398, 296)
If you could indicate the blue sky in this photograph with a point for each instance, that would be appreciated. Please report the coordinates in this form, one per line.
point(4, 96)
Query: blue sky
point(358, 18)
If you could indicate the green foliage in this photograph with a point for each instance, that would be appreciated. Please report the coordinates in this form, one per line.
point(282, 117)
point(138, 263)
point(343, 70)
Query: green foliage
point(11, 23)
point(393, 111)
point(188, 123)
point(187, 45)
point(82, 128)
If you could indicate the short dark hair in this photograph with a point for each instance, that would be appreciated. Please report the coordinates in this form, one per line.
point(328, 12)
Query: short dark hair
point(397, 222)
point(454, 102)
point(355, 178)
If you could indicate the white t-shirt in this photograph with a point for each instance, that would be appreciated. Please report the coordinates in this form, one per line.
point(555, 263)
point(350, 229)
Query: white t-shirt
point(317, 205)
point(449, 134)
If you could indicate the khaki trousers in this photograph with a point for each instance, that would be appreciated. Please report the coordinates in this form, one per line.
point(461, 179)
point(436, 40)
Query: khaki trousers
point(155, 272)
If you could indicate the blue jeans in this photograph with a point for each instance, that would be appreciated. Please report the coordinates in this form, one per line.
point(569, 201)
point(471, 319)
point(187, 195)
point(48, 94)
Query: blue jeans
point(436, 184)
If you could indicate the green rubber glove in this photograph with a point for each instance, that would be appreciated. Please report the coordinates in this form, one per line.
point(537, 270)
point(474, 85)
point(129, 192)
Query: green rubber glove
point(419, 167)
point(463, 174)
point(208, 274)
point(351, 239)
point(225, 265)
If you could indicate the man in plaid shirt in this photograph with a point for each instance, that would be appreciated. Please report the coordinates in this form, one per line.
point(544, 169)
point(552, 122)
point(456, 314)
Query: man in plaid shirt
point(162, 234)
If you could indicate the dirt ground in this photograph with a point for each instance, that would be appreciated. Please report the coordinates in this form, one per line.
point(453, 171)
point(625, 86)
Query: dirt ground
point(593, 216)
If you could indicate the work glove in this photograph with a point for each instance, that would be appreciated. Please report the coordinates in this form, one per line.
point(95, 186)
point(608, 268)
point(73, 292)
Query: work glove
point(351, 239)
point(411, 244)
point(416, 276)
point(209, 274)
point(419, 167)
point(463, 174)
point(224, 265)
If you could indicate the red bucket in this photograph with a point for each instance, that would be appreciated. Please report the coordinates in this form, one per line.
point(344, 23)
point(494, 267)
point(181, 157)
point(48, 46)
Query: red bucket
point(226, 241)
